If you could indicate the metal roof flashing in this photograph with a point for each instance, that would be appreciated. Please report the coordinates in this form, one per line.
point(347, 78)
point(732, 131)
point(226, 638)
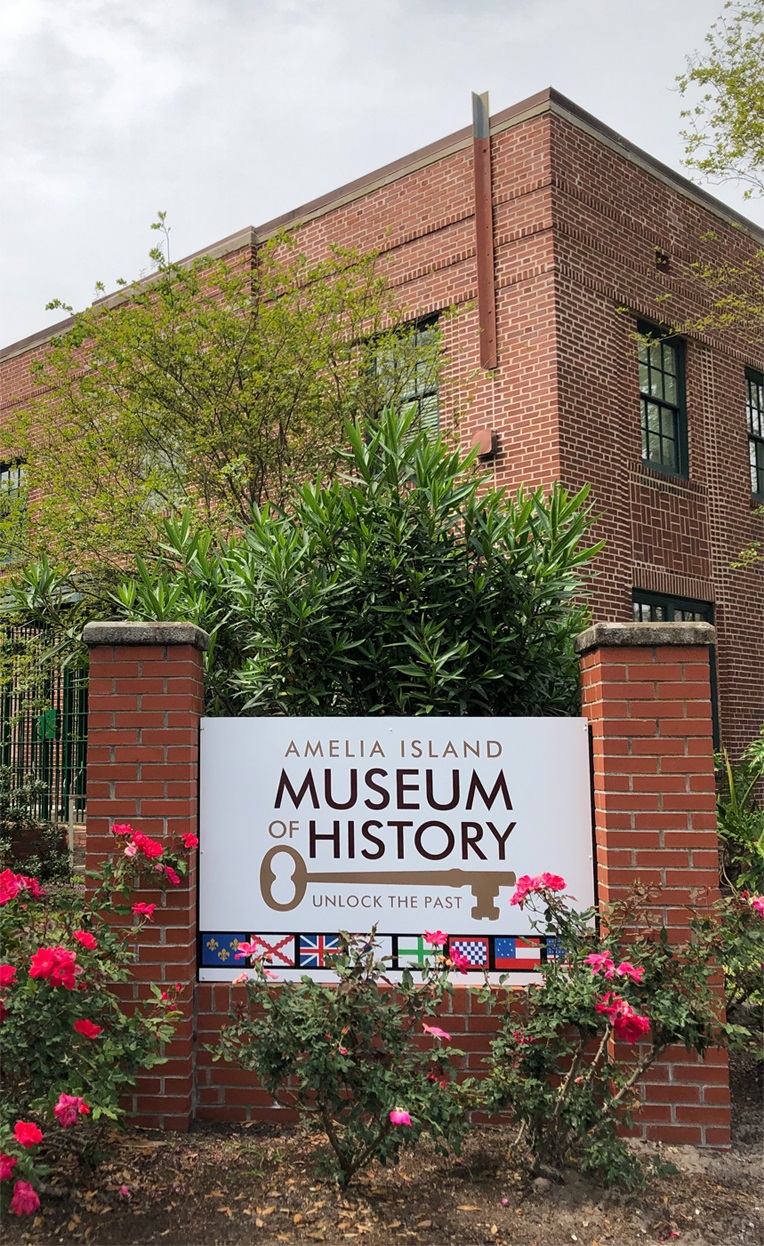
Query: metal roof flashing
point(546, 101)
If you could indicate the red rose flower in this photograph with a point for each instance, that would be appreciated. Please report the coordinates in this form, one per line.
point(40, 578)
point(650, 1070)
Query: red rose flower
point(87, 1028)
point(85, 938)
point(25, 1200)
point(27, 1134)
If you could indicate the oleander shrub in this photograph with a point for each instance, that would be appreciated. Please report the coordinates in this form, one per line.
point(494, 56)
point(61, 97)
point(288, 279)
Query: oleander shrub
point(407, 585)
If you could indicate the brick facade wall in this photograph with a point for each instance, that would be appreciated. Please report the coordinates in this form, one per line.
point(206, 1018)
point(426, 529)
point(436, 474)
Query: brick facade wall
point(577, 217)
point(649, 705)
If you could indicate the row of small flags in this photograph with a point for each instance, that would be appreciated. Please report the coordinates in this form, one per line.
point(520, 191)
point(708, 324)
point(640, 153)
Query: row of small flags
point(315, 951)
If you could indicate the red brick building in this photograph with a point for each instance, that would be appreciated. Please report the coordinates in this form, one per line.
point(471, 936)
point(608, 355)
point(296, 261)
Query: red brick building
point(557, 241)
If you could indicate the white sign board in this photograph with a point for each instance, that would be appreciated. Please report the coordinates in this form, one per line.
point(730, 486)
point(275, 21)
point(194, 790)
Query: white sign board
point(309, 826)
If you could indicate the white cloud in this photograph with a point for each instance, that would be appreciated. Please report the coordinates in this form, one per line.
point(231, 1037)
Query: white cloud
point(229, 112)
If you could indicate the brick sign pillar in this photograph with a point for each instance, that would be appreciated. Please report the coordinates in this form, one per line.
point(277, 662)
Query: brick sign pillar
point(145, 702)
point(646, 692)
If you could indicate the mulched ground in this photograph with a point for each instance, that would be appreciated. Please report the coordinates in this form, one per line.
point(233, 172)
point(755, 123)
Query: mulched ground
point(257, 1184)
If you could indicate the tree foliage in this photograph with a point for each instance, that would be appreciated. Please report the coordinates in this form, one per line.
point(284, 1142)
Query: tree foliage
point(404, 587)
point(214, 384)
point(724, 127)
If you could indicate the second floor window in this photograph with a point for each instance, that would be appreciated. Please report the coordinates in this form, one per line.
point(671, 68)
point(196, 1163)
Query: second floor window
point(755, 412)
point(407, 369)
point(661, 388)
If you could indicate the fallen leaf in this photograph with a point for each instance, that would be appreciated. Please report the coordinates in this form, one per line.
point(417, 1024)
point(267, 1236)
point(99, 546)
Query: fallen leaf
point(296, 1218)
point(423, 1224)
point(467, 1207)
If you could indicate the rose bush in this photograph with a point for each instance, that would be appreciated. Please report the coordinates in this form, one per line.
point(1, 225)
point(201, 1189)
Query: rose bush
point(69, 1048)
point(357, 1057)
point(614, 994)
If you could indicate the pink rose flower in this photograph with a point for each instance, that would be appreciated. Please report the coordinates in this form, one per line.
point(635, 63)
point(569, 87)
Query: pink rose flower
point(7, 1165)
point(88, 1029)
point(68, 1108)
point(121, 828)
point(757, 904)
point(627, 970)
point(436, 938)
point(600, 962)
point(399, 1117)
point(56, 964)
point(553, 882)
point(458, 960)
point(144, 910)
point(247, 949)
point(7, 975)
point(25, 1200)
point(86, 939)
point(171, 875)
point(11, 884)
point(27, 1134)
point(436, 1032)
point(540, 882)
point(150, 848)
point(242, 977)
point(124, 1192)
point(131, 850)
point(626, 1022)
point(190, 841)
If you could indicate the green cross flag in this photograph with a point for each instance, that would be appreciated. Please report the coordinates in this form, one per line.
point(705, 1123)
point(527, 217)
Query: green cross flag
point(413, 949)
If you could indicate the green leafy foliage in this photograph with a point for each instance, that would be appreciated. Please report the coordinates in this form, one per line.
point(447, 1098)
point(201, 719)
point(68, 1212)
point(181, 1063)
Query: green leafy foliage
point(571, 1053)
point(65, 1030)
point(214, 384)
point(742, 955)
point(26, 840)
point(724, 126)
point(406, 586)
point(740, 816)
point(349, 1054)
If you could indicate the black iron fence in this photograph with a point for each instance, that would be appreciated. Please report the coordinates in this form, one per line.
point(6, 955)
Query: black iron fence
point(43, 723)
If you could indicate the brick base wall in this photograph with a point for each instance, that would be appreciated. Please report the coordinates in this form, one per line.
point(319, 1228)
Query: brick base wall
point(646, 692)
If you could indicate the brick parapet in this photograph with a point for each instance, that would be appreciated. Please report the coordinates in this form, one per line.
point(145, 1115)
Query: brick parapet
point(146, 697)
point(646, 692)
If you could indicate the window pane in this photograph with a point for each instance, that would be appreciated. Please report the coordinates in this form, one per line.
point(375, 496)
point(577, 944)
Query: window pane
point(653, 418)
point(669, 358)
point(668, 423)
point(669, 388)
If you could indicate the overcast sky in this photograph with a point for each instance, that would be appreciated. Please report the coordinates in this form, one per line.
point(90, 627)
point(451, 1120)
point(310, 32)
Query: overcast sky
point(226, 113)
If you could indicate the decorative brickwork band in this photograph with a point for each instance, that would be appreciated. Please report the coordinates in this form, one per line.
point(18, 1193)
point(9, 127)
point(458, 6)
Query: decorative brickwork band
point(145, 701)
point(646, 692)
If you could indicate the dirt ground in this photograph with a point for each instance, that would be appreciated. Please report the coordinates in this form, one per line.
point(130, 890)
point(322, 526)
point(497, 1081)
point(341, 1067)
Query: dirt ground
point(257, 1184)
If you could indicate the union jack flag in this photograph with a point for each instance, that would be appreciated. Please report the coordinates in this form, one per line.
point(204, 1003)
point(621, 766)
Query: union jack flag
point(515, 953)
point(474, 949)
point(316, 949)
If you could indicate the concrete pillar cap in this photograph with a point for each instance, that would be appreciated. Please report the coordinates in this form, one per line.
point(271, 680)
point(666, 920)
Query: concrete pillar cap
point(96, 634)
point(648, 634)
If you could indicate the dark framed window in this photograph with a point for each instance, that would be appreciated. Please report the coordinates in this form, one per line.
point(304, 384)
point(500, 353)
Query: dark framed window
point(659, 608)
point(11, 479)
point(12, 508)
point(407, 369)
point(662, 398)
point(755, 416)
